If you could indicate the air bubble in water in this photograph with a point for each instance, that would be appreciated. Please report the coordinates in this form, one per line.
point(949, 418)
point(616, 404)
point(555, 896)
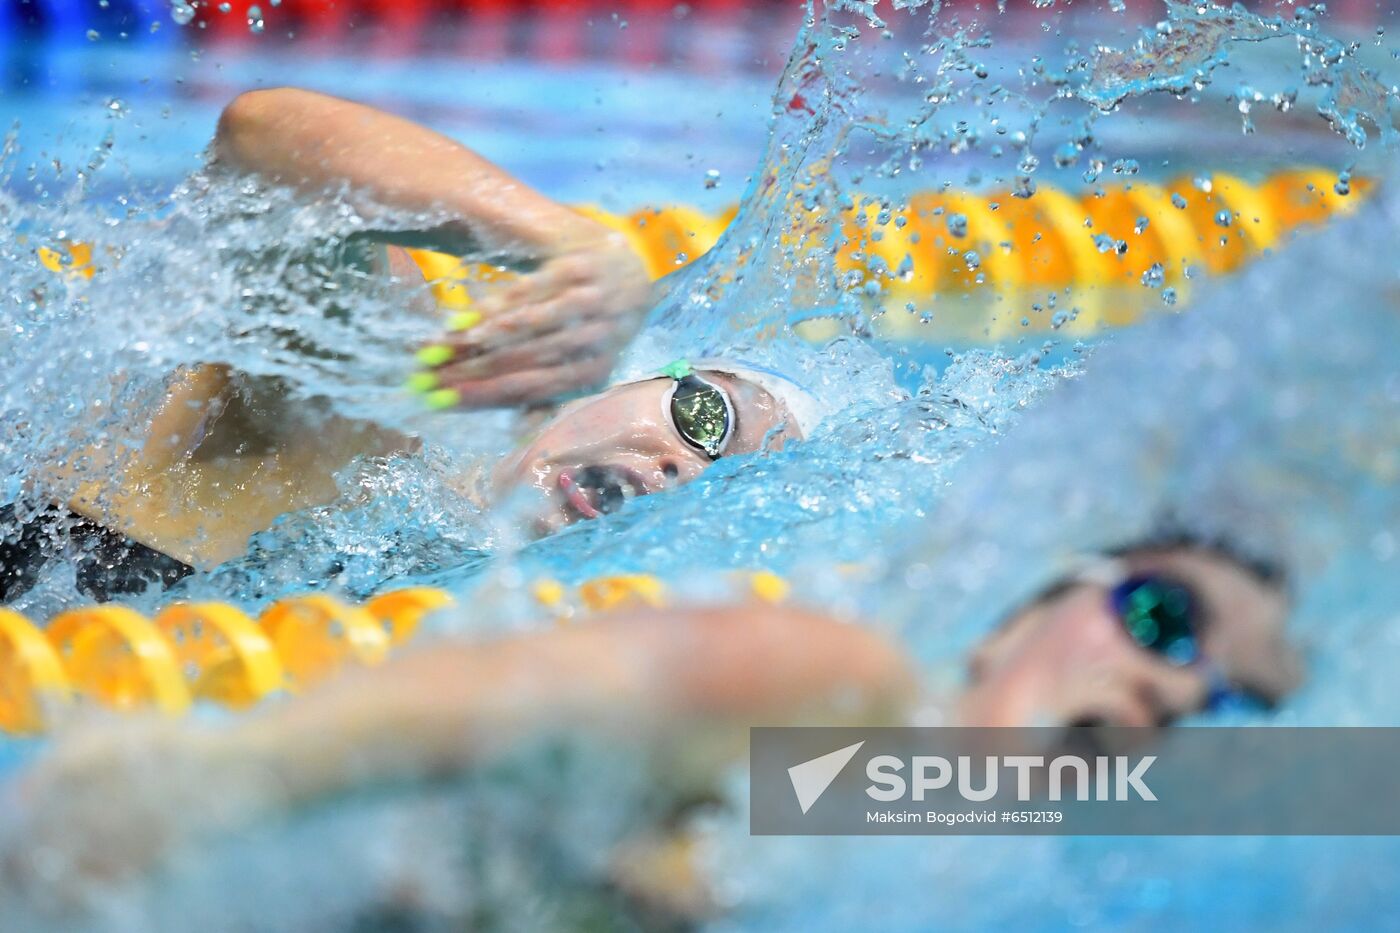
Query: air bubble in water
point(1222, 219)
point(1178, 201)
point(181, 12)
point(712, 178)
point(957, 225)
point(255, 19)
point(225, 7)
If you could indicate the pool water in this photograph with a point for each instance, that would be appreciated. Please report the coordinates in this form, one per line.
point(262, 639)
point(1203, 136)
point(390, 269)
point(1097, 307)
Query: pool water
point(952, 480)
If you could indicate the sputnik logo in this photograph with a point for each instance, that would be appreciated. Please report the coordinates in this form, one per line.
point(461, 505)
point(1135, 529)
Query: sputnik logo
point(811, 778)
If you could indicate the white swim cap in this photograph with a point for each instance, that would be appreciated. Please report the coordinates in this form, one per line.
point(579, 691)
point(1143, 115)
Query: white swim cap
point(803, 407)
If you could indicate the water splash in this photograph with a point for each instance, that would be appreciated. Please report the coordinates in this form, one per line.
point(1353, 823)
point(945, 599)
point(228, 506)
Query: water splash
point(1265, 417)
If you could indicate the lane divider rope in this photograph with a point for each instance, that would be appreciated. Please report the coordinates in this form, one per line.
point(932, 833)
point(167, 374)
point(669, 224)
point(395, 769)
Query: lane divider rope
point(213, 652)
point(956, 241)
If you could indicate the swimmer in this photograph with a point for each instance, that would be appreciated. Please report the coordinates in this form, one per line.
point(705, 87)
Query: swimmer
point(1139, 638)
point(226, 455)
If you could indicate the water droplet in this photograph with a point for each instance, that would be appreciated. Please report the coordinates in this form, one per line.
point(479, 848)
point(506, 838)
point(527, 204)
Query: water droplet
point(1169, 296)
point(712, 178)
point(93, 35)
point(1141, 225)
point(1222, 219)
point(1155, 276)
point(255, 19)
point(1126, 167)
point(972, 259)
point(1178, 201)
point(957, 225)
point(682, 259)
point(225, 6)
point(181, 12)
point(1107, 244)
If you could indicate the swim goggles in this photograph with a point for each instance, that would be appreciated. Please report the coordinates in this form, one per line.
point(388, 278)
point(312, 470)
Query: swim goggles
point(1165, 616)
point(701, 411)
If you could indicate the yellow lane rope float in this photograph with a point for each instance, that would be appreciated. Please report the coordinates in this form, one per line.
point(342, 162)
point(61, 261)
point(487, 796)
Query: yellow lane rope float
point(214, 653)
point(956, 241)
point(953, 242)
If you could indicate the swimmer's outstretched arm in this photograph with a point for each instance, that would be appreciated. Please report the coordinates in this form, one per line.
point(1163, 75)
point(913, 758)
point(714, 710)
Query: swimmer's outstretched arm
point(555, 330)
point(325, 145)
point(687, 681)
point(109, 803)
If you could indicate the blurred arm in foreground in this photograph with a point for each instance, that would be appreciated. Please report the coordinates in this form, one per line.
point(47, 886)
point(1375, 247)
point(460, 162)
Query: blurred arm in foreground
point(111, 804)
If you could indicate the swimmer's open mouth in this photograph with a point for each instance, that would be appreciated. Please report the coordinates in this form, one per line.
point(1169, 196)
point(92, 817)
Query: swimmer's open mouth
point(599, 490)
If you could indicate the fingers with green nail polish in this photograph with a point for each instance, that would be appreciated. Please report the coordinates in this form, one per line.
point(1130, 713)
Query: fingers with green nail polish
point(439, 399)
point(421, 382)
point(434, 355)
point(464, 320)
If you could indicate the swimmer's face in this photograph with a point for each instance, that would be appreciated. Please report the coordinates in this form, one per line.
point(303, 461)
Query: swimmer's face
point(1068, 660)
point(600, 451)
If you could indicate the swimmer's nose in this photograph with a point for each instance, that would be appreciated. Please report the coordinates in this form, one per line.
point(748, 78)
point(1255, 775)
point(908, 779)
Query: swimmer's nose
point(1068, 663)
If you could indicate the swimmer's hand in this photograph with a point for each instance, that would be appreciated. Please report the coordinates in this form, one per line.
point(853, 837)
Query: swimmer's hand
point(555, 330)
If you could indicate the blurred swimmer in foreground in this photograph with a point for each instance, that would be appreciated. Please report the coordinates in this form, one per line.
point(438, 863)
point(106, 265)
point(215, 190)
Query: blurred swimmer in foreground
point(1139, 639)
point(226, 455)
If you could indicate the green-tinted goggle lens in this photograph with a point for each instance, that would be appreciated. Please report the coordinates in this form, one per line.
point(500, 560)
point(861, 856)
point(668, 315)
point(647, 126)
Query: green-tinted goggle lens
point(701, 414)
point(1160, 614)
